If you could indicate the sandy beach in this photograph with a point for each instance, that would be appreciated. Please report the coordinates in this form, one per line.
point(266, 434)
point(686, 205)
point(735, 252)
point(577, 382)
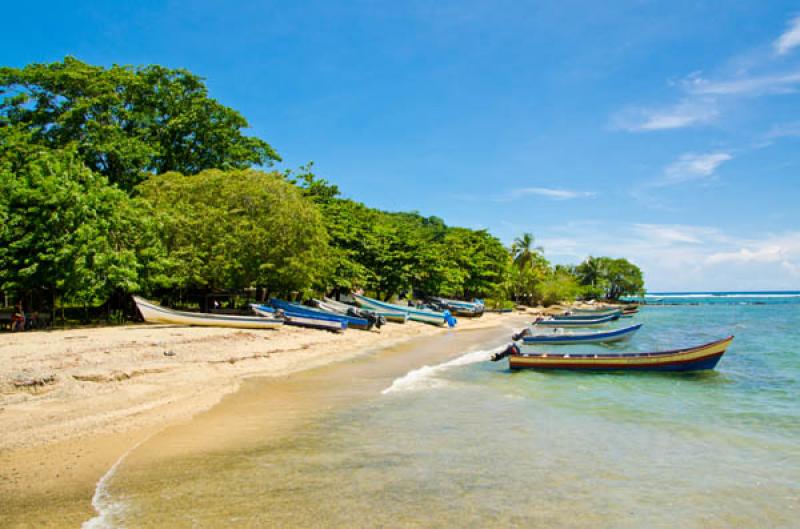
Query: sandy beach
point(72, 402)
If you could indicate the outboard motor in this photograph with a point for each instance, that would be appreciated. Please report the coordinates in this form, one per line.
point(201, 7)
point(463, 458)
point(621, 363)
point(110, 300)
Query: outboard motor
point(512, 349)
point(521, 334)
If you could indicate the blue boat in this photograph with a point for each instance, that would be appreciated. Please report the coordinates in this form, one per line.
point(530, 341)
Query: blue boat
point(425, 316)
point(299, 320)
point(596, 322)
point(352, 321)
point(557, 336)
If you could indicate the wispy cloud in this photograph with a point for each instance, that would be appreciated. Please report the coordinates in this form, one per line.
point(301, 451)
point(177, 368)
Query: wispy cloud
point(688, 112)
point(691, 166)
point(547, 192)
point(785, 83)
point(790, 38)
point(702, 99)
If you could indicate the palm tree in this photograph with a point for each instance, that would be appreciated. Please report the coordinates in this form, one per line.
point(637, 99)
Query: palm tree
point(591, 270)
point(523, 250)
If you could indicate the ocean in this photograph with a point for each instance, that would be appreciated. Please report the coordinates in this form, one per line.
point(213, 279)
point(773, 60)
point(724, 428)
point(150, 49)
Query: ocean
point(431, 434)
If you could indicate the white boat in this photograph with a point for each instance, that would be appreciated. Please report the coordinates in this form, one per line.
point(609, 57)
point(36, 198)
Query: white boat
point(153, 313)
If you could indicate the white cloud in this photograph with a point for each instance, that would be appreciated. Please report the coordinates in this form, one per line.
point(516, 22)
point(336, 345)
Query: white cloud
point(692, 166)
point(684, 114)
point(547, 192)
point(683, 257)
point(790, 38)
point(784, 83)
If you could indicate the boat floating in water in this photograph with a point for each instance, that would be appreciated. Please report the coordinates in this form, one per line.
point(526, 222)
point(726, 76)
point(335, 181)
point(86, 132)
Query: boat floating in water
point(701, 357)
point(578, 322)
point(569, 315)
point(557, 336)
point(153, 313)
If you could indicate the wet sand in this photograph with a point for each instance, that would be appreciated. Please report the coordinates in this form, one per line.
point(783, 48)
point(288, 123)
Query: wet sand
point(72, 402)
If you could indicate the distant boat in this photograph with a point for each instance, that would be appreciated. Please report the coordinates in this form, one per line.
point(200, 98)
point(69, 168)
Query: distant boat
point(423, 315)
point(594, 322)
point(156, 314)
point(569, 315)
point(301, 320)
point(697, 358)
point(395, 316)
point(355, 322)
point(557, 336)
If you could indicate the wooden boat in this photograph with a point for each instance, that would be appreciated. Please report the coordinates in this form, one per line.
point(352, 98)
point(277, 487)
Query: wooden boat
point(557, 336)
point(300, 320)
point(395, 316)
point(423, 315)
point(595, 322)
point(301, 310)
point(155, 314)
point(696, 358)
point(469, 309)
point(615, 314)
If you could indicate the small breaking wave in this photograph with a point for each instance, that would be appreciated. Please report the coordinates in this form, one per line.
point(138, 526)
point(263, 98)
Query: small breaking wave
point(107, 510)
point(426, 377)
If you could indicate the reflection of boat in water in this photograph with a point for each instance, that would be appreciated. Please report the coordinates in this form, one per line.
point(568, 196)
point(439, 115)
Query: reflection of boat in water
point(155, 314)
point(558, 336)
point(696, 358)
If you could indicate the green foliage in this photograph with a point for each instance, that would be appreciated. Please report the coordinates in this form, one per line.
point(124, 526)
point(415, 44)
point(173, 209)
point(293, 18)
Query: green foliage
point(610, 278)
point(128, 122)
point(65, 229)
point(559, 286)
point(236, 229)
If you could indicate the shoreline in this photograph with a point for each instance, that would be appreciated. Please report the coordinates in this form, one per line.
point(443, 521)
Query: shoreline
point(73, 401)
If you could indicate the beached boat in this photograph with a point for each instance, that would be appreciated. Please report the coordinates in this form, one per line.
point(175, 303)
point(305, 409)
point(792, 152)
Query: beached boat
point(557, 336)
point(300, 320)
point(395, 316)
point(469, 309)
point(594, 322)
point(352, 321)
point(423, 315)
point(353, 312)
point(615, 315)
point(696, 358)
point(156, 314)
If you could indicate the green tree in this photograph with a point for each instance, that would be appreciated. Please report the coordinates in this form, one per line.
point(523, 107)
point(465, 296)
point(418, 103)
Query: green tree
point(523, 250)
point(128, 122)
point(610, 278)
point(64, 229)
point(236, 229)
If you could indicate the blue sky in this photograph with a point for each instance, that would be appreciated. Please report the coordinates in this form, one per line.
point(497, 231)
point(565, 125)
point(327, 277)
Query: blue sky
point(665, 132)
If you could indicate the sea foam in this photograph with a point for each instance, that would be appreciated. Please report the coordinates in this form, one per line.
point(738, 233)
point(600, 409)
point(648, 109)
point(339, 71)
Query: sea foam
point(107, 509)
point(427, 377)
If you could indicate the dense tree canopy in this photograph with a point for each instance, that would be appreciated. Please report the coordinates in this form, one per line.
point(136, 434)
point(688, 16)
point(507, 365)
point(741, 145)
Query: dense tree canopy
point(128, 122)
point(237, 229)
point(66, 230)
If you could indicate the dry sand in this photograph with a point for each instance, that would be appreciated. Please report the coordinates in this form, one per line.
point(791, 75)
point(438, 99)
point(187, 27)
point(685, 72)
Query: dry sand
point(72, 402)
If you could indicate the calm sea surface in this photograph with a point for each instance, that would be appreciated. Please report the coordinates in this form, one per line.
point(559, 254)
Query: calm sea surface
point(464, 442)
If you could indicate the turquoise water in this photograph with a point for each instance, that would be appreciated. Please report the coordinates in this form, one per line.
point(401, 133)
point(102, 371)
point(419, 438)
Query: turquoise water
point(466, 443)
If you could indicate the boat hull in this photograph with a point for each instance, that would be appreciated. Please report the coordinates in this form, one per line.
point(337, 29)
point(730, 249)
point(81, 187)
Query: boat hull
point(435, 318)
point(155, 314)
point(598, 322)
point(395, 316)
point(300, 310)
point(698, 358)
point(300, 320)
point(611, 336)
